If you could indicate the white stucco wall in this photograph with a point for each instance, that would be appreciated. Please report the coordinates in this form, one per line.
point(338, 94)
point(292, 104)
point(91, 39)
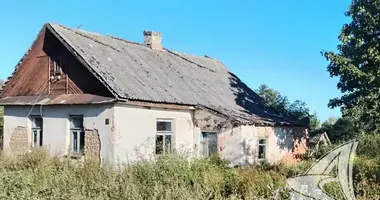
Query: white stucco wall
point(130, 134)
point(231, 145)
point(279, 143)
point(240, 145)
point(136, 130)
point(56, 125)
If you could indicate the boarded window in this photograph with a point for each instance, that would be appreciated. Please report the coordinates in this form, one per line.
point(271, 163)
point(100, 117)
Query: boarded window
point(262, 149)
point(77, 134)
point(37, 136)
point(163, 136)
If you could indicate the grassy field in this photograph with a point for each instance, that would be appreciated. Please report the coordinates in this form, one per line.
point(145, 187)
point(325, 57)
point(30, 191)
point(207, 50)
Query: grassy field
point(39, 176)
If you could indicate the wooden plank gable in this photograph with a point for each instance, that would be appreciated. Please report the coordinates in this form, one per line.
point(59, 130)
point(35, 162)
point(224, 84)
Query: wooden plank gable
point(49, 68)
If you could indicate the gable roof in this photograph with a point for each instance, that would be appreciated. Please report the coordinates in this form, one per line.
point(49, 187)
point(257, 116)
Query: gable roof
point(133, 71)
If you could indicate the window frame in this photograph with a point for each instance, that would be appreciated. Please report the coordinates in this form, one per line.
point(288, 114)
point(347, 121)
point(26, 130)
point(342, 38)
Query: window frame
point(265, 148)
point(39, 130)
point(203, 142)
point(57, 68)
point(79, 131)
point(164, 134)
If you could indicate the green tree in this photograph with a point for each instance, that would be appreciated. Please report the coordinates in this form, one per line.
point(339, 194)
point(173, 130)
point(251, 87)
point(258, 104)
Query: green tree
point(357, 65)
point(329, 122)
point(315, 123)
point(297, 110)
point(339, 129)
point(271, 97)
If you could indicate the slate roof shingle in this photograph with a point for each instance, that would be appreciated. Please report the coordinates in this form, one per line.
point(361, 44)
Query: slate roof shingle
point(134, 71)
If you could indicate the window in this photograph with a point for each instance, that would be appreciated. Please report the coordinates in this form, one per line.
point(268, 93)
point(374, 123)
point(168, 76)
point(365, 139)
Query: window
point(36, 131)
point(77, 134)
point(163, 136)
point(262, 149)
point(209, 143)
point(57, 65)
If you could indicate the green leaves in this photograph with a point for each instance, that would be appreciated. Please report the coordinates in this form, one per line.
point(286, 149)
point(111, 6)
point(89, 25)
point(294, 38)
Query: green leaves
point(357, 64)
point(296, 111)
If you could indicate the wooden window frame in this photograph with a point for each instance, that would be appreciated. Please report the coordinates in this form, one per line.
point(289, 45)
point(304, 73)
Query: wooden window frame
point(78, 148)
point(37, 132)
point(202, 142)
point(265, 144)
point(164, 134)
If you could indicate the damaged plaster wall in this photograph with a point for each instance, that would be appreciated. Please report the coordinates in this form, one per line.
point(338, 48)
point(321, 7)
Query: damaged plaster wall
point(239, 144)
point(229, 136)
point(283, 143)
point(207, 120)
point(19, 142)
point(92, 143)
point(16, 136)
point(56, 127)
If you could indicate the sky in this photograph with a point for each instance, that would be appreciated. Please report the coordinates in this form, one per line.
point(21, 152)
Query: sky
point(276, 42)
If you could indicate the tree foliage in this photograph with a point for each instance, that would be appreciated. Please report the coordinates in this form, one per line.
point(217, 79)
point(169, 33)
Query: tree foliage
point(340, 129)
point(315, 123)
point(357, 64)
point(297, 110)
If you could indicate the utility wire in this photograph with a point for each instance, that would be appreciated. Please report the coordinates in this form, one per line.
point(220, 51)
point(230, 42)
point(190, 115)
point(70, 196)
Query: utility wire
point(38, 98)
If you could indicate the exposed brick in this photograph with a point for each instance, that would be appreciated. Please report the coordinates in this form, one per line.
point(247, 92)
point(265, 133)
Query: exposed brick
point(19, 140)
point(92, 143)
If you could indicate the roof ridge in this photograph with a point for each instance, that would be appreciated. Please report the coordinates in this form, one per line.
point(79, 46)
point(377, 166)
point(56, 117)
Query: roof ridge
point(77, 31)
point(126, 41)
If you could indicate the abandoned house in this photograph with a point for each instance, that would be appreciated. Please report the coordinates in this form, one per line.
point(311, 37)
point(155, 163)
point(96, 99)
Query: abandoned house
point(79, 93)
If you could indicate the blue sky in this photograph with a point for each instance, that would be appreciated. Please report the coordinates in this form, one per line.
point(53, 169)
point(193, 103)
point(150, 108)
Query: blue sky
point(273, 42)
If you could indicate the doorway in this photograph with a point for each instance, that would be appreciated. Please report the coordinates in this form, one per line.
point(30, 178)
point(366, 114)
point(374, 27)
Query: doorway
point(209, 144)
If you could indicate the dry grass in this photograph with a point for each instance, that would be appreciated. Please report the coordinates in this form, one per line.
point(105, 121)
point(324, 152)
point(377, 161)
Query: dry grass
point(36, 175)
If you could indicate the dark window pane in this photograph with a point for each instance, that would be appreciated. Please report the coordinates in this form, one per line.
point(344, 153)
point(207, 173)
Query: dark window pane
point(75, 141)
point(37, 122)
point(168, 143)
point(77, 122)
point(81, 144)
point(261, 152)
point(159, 144)
point(57, 65)
point(35, 137)
point(212, 148)
point(41, 138)
point(262, 141)
point(164, 126)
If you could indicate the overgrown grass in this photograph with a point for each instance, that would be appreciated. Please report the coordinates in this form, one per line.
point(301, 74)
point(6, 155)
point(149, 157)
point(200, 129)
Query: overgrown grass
point(37, 175)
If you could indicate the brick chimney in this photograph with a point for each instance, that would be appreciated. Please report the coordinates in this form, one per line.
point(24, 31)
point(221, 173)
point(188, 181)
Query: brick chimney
point(153, 40)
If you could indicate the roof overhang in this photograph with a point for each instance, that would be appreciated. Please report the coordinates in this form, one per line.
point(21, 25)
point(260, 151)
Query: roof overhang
point(63, 99)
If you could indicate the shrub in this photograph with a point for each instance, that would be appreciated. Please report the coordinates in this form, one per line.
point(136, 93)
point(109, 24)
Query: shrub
point(36, 175)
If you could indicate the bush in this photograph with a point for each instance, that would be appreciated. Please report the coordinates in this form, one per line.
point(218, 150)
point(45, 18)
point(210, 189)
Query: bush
point(36, 175)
